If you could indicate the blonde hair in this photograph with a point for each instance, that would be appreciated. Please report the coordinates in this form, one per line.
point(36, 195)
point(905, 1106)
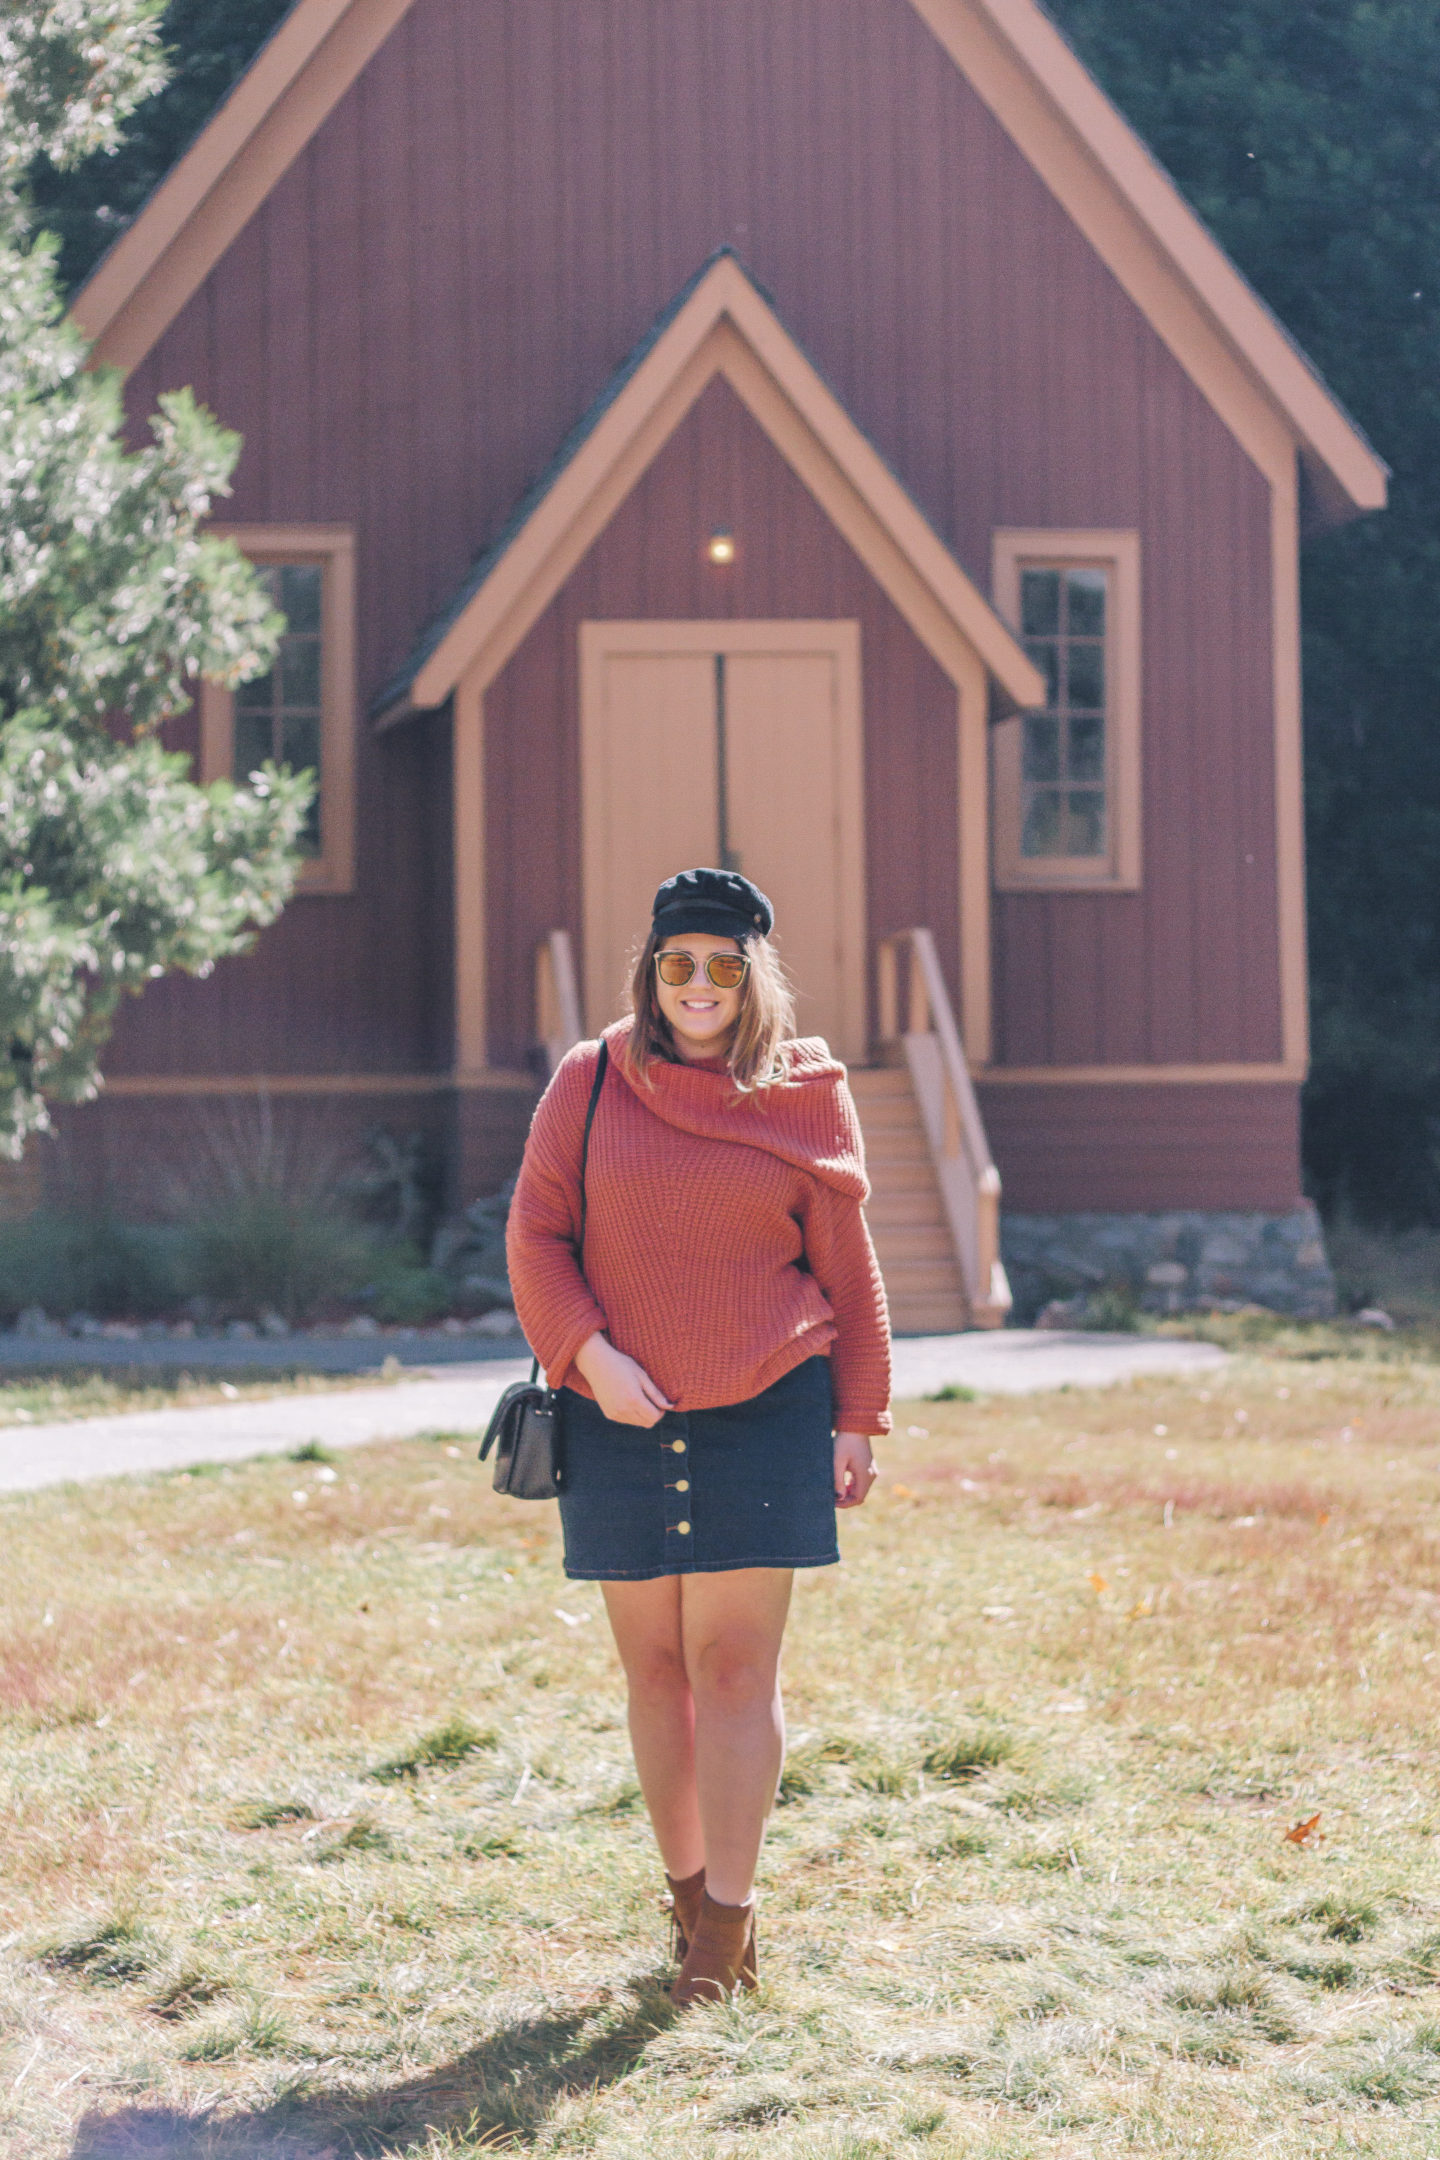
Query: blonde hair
point(767, 1017)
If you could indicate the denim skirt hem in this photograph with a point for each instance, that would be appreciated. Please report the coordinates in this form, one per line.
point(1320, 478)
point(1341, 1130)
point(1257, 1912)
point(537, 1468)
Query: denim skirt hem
point(696, 1567)
point(743, 1485)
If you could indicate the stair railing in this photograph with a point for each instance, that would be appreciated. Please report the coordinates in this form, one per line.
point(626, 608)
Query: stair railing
point(557, 997)
point(964, 1168)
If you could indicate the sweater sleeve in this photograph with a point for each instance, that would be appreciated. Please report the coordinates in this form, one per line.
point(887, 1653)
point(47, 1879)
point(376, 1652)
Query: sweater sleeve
point(553, 1301)
point(842, 1260)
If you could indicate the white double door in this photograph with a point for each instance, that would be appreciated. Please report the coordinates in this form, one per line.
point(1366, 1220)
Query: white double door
point(737, 745)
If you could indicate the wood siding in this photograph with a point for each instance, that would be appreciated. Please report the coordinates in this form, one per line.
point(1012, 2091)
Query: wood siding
point(442, 284)
point(1081, 1149)
point(484, 227)
point(360, 984)
point(718, 471)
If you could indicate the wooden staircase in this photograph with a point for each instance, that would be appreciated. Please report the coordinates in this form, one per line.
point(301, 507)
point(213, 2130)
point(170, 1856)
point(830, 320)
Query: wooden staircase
point(913, 1242)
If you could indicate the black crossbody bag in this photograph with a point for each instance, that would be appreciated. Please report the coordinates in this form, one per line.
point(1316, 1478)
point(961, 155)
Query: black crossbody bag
point(527, 1429)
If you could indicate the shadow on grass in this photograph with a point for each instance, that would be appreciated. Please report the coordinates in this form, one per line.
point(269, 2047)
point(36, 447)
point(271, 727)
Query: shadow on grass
point(498, 2094)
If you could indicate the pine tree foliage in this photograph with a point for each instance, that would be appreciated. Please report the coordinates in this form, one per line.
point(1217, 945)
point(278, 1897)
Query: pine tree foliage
point(71, 72)
point(207, 45)
point(114, 868)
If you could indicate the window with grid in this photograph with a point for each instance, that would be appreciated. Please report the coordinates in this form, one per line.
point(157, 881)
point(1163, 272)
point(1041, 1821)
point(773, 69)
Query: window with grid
point(279, 715)
point(1063, 621)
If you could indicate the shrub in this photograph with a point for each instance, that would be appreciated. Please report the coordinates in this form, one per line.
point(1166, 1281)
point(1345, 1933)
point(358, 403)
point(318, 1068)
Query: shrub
point(268, 1251)
point(402, 1290)
point(68, 1260)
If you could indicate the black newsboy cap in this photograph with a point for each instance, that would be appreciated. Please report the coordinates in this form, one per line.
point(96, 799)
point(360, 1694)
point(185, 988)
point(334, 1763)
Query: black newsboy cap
point(720, 902)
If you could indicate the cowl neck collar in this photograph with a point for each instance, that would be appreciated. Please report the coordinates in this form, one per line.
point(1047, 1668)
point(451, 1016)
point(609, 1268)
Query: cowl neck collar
point(807, 1119)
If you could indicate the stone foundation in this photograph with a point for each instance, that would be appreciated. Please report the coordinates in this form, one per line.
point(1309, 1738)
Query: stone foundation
point(1171, 1262)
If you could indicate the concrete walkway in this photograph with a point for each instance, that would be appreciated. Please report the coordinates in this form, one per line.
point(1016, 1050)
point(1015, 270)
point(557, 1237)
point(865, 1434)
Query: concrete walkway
point(1022, 1361)
point(1007, 1362)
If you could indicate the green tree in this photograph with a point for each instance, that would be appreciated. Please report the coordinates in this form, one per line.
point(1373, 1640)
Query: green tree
point(207, 46)
point(1307, 134)
point(113, 867)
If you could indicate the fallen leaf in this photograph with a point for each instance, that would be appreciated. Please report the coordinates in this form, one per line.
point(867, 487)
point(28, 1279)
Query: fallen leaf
point(901, 1492)
point(1303, 1833)
point(1143, 1610)
point(1098, 1584)
point(1322, 1518)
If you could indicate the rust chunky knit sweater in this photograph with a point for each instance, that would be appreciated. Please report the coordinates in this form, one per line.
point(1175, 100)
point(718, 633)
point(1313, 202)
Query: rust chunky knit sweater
point(725, 1243)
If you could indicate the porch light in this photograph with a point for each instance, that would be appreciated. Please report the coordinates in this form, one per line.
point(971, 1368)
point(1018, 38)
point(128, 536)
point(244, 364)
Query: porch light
point(721, 547)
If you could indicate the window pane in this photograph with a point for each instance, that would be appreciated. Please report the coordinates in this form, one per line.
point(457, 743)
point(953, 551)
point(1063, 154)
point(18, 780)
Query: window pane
point(300, 742)
point(1047, 659)
point(1086, 822)
point(300, 750)
point(1085, 602)
point(256, 696)
point(1039, 602)
point(1041, 835)
point(300, 671)
point(1085, 671)
point(1042, 748)
point(254, 743)
point(1087, 747)
point(279, 716)
point(300, 596)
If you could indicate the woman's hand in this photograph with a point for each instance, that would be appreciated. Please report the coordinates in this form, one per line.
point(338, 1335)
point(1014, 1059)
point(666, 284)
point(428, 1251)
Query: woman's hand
point(623, 1389)
point(855, 1470)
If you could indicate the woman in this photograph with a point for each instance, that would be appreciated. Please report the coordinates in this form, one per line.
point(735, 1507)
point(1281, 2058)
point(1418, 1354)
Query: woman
point(722, 1345)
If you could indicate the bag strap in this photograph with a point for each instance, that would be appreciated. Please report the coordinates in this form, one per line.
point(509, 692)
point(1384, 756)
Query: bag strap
point(600, 1066)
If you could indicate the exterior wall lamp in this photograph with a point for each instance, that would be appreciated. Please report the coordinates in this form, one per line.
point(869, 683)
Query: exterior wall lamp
point(720, 548)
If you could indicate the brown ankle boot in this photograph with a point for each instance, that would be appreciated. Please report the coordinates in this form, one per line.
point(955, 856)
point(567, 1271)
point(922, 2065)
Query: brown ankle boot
point(721, 1956)
point(685, 1897)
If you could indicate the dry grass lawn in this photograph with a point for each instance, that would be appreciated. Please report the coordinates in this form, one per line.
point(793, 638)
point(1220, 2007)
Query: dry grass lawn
point(319, 1836)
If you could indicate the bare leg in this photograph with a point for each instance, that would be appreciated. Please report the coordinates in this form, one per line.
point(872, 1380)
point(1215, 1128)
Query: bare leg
point(645, 1617)
point(731, 1627)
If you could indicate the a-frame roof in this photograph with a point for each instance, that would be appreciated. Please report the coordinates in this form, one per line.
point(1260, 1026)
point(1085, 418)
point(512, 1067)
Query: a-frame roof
point(1010, 52)
point(721, 324)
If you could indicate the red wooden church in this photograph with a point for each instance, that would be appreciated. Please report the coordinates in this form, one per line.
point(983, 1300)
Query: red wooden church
point(807, 433)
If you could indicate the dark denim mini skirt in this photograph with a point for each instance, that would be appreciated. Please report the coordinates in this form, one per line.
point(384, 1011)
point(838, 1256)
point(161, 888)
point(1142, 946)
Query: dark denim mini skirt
point(751, 1484)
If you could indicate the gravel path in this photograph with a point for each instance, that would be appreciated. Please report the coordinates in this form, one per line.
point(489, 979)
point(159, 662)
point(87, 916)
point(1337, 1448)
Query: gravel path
point(1013, 1361)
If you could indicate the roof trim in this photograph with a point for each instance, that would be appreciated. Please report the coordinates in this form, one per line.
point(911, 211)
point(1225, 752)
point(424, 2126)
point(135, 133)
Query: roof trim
point(299, 75)
point(1020, 63)
point(721, 325)
point(1013, 56)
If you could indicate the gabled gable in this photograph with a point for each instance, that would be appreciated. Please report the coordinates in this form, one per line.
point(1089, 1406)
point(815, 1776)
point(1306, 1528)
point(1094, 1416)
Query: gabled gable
point(1016, 61)
point(721, 325)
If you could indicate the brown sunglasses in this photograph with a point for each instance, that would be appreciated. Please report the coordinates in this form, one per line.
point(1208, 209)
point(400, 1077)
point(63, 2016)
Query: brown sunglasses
point(727, 970)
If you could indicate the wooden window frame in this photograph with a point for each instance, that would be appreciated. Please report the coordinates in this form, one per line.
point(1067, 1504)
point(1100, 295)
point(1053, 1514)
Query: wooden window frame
point(332, 549)
point(1118, 870)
